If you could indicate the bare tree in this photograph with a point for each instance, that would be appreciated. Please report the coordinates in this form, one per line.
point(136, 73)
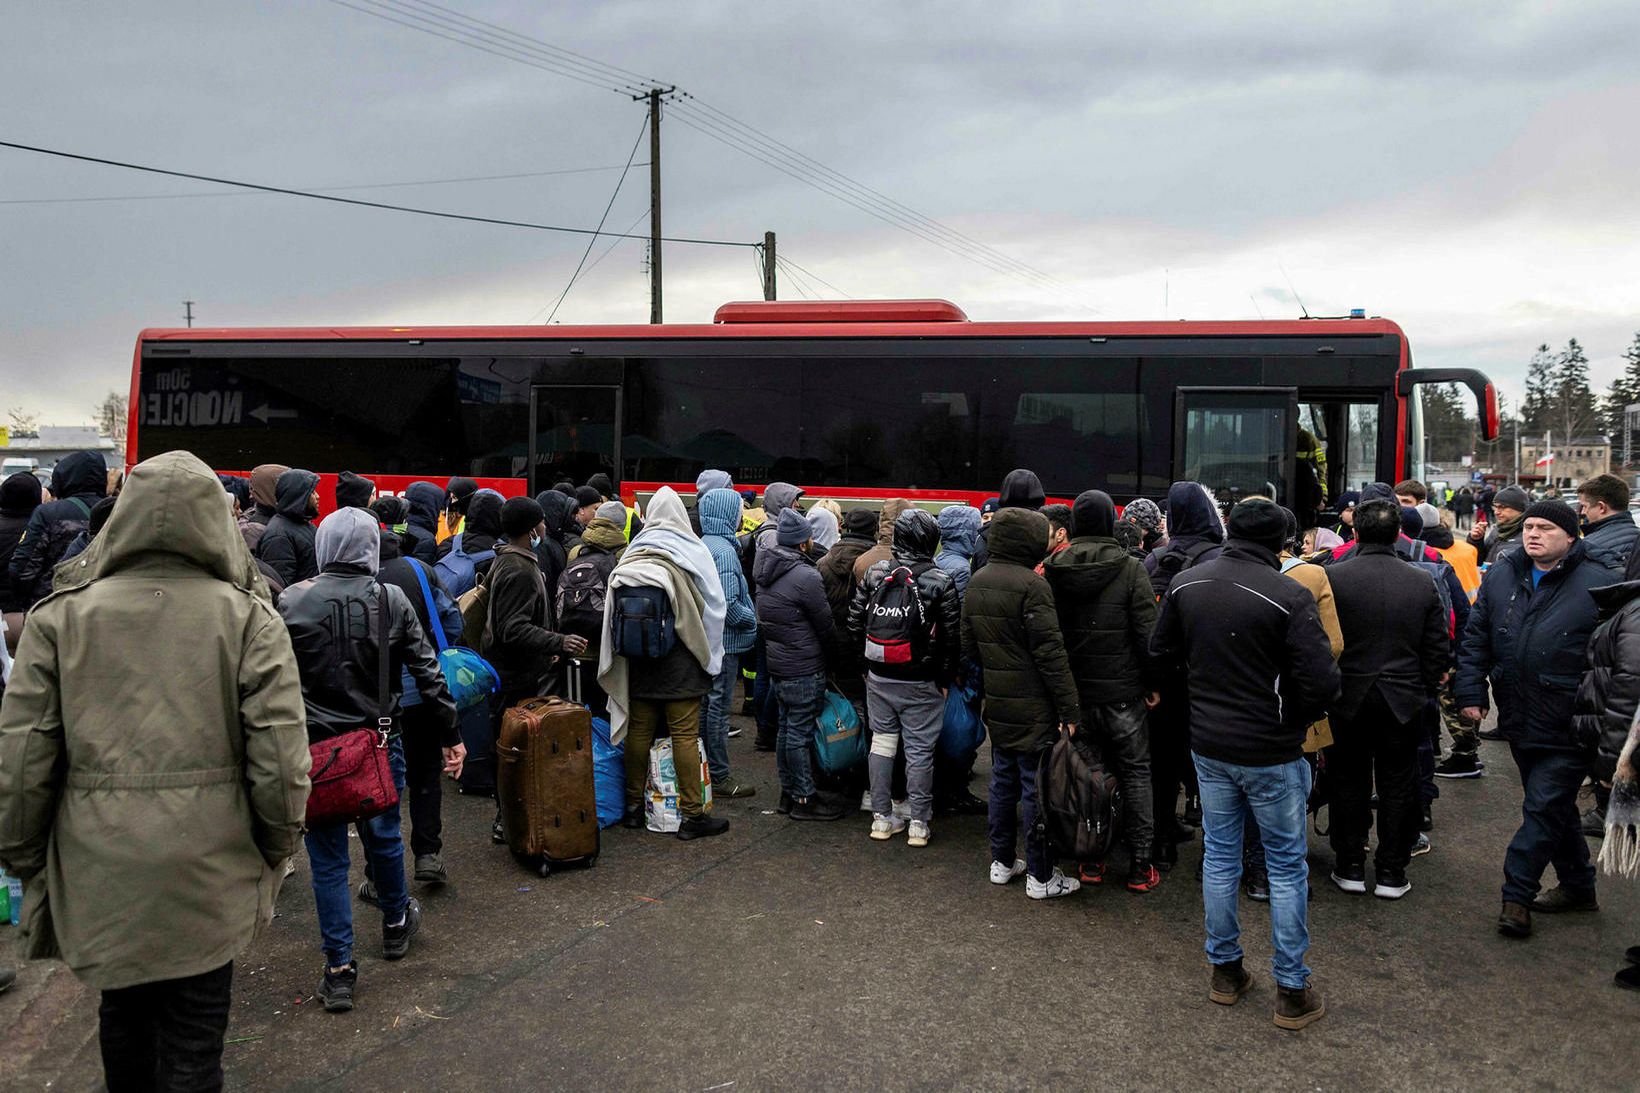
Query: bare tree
point(111, 417)
point(23, 422)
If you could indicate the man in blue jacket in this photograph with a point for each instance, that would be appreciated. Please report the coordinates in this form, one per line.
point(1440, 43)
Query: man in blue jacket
point(719, 511)
point(1527, 633)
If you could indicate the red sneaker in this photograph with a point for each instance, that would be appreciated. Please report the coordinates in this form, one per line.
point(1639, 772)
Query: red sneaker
point(1091, 872)
point(1143, 877)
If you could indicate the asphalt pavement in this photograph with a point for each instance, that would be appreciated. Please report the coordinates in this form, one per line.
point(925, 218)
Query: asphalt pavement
point(788, 955)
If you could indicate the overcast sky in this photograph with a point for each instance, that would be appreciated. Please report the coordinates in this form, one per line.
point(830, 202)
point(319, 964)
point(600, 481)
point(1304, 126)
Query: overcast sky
point(1466, 169)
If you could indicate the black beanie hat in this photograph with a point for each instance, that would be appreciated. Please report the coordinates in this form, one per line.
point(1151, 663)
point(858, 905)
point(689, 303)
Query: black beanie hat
point(520, 516)
point(1511, 497)
point(1412, 522)
point(1259, 521)
point(603, 485)
point(1094, 513)
point(1556, 512)
point(21, 494)
point(861, 523)
point(353, 492)
point(588, 495)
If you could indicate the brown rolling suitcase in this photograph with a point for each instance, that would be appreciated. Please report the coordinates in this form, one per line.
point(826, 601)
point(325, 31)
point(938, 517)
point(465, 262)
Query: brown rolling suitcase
point(549, 808)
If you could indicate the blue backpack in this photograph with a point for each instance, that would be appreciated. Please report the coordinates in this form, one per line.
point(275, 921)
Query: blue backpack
point(641, 623)
point(470, 678)
point(839, 738)
point(458, 570)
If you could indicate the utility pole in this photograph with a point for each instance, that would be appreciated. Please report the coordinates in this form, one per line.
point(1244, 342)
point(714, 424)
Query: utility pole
point(188, 313)
point(655, 95)
point(768, 266)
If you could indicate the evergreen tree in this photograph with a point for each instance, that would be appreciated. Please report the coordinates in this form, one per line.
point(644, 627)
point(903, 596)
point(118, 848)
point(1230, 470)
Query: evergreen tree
point(1577, 413)
point(1625, 389)
point(1540, 392)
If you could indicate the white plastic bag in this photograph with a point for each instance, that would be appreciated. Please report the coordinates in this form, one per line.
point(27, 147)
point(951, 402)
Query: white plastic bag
point(660, 799)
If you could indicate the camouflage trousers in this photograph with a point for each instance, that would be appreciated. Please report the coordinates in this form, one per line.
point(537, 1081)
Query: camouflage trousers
point(1465, 733)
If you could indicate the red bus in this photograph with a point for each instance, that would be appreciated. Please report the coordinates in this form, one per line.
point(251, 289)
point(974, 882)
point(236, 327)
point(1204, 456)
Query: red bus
point(855, 400)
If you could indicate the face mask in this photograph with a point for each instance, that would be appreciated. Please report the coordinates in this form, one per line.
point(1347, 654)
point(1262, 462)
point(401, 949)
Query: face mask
point(535, 541)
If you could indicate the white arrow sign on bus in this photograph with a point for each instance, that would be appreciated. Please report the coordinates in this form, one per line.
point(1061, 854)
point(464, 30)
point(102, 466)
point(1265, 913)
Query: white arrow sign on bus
point(264, 412)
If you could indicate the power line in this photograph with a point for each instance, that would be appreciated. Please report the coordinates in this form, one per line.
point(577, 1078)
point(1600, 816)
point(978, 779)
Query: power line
point(316, 189)
point(624, 236)
point(611, 204)
point(779, 258)
point(346, 200)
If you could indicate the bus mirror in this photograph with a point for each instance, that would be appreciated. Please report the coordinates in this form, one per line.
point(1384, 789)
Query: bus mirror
point(1486, 395)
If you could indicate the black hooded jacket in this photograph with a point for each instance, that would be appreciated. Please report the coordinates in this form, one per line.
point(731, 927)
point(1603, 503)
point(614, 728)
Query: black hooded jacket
point(1195, 534)
point(1610, 692)
point(1021, 489)
point(1106, 609)
point(551, 552)
point(916, 537)
point(420, 536)
point(287, 544)
point(481, 529)
point(78, 481)
point(19, 497)
point(793, 618)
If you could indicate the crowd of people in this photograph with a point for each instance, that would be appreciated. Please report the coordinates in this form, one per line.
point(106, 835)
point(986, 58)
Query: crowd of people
point(1231, 672)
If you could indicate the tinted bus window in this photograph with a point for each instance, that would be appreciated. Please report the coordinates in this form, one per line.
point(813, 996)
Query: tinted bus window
point(1075, 422)
point(740, 416)
point(891, 423)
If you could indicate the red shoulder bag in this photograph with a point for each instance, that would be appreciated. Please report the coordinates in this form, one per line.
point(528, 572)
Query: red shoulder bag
point(352, 778)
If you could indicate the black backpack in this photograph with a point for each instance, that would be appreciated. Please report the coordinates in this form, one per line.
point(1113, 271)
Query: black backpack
point(1080, 801)
point(1173, 561)
point(581, 594)
point(641, 623)
point(897, 626)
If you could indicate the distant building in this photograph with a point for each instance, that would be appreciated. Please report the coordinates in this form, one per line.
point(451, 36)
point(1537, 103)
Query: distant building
point(1576, 460)
point(54, 442)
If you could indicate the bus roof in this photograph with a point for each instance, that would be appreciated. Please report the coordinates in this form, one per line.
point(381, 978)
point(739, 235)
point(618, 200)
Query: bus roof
point(791, 319)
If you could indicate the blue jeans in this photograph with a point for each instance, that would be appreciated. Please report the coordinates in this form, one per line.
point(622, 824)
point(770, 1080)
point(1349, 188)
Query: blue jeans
point(1550, 830)
point(1277, 798)
point(1013, 784)
point(714, 717)
point(799, 699)
point(328, 856)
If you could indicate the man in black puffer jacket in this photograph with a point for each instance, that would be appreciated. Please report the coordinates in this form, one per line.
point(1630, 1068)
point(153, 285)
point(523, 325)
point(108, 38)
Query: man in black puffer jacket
point(287, 542)
point(1527, 636)
point(420, 536)
point(1609, 695)
point(78, 481)
point(1106, 613)
point(906, 685)
point(1010, 629)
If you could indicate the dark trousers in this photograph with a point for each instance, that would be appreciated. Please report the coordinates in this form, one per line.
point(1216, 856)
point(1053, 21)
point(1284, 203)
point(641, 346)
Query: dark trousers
point(765, 703)
point(1013, 787)
point(1373, 747)
point(424, 779)
point(1169, 758)
point(1429, 746)
point(1550, 830)
point(166, 1035)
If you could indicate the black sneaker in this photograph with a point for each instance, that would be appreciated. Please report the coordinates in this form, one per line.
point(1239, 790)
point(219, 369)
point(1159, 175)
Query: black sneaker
point(8, 979)
point(367, 892)
point(817, 808)
point(1458, 766)
point(632, 818)
point(1351, 877)
point(336, 989)
point(962, 803)
point(784, 805)
point(702, 827)
point(1561, 899)
point(764, 743)
point(396, 939)
point(1426, 819)
point(430, 870)
point(498, 834)
point(1391, 884)
point(1594, 822)
point(1257, 886)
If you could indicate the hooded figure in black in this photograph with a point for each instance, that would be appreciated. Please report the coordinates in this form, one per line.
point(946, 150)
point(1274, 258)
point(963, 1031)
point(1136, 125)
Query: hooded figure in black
point(1195, 533)
point(559, 512)
point(20, 495)
point(78, 482)
point(287, 544)
point(1021, 489)
point(420, 536)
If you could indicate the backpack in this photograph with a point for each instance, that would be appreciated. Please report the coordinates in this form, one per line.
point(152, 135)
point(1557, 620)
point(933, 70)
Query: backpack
point(581, 593)
point(641, 623)
point(458, 570)
point(897, 626)
point(474, 605)
point(839, 738)
point(1170, 563)
point(1080, 801)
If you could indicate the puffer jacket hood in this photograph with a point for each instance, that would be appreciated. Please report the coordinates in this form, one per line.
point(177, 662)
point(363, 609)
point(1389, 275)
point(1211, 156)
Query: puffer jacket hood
point(1094, 513)
point(1106, 614)
point(349, 537)
point(1087, 565)
point(916, 536)
point(1019, 536)
point(605, 535)
point(171, 504)
point(264, 484)
point(1192, 514)
point(294, 490)
point(484, 514)
point(81, 474)
point(709, 480)
point(1021, 489)
point(426, 503)
point(778, 496)
point(720, 513)
point(959, 529)
point(558, 509)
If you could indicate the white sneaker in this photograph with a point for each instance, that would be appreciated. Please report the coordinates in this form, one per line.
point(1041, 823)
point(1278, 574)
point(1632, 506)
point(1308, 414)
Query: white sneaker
point(886, 827)
point(733, 732)
point(902, 809)
point(1057, 885)
point(918, 835)
point(1421, 846)
point(865, 802)
point(1002, 873)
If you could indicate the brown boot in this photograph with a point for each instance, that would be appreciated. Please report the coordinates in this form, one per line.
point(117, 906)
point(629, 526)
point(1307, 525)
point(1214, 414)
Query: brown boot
point(1230, 982)
point(1515, 920)
point(1295, 1009)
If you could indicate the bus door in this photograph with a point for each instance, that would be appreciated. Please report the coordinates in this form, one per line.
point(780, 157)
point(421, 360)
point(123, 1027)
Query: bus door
point(1237, 441)
point(574, 434)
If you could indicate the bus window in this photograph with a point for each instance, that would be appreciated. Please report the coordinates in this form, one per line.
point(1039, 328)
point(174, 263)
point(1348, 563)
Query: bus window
point(1076, 423)
point(574, 435)
point(684, 415)
point(1237, 443)
point(905, 423)
point(1361, 445)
